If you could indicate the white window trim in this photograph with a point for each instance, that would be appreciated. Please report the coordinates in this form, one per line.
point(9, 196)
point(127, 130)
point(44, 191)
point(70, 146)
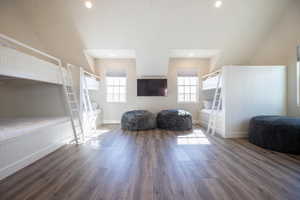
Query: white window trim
point(106, 93)
point(197, 91)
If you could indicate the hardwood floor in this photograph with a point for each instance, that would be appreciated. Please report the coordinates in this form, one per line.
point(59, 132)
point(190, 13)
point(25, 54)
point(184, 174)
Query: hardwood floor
point(160, 165)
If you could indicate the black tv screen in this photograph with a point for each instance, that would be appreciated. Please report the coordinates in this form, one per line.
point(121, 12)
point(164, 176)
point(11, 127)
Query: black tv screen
point(152, 87)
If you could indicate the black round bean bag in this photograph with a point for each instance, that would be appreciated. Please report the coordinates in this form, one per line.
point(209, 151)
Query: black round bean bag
point(175, 120)
point(276, 133)
point(138, 120)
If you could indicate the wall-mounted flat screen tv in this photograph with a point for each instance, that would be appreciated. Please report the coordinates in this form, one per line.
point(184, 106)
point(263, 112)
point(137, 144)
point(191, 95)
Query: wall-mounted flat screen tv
point(152, 87)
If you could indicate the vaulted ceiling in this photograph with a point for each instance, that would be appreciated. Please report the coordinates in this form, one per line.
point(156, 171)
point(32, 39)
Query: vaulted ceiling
point(152, 28)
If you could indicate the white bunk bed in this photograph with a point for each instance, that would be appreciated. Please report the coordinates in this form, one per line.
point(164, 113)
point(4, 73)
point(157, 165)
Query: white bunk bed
point(210, 81)
point(244, 96)
point(15, 63)
point(91, 84)
point(204, 119)
point(209, 85)
point(25, 138)
point(11, 128)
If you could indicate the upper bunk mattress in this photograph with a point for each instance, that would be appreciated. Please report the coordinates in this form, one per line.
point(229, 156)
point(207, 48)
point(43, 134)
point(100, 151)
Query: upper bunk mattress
point(14, 63)
point(14, 127)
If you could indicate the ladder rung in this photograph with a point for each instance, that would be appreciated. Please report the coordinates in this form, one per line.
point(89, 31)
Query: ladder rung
point(78, 131)
point(77, 126)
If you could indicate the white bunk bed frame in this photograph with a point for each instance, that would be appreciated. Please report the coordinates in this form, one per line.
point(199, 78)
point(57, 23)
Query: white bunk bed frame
point(89, 115)
point(15, 63)
point(213, 119)
point(28, 144)
point(4, 38)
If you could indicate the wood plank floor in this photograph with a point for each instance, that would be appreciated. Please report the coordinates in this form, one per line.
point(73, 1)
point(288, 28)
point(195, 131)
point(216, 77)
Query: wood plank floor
point(160, 165)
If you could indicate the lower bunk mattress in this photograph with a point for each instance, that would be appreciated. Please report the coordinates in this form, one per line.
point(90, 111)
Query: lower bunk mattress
point(14, 127)
point(25, 140)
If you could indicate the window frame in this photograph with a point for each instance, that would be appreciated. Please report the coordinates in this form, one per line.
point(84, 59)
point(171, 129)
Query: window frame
point(190, 93)
point(115, 86)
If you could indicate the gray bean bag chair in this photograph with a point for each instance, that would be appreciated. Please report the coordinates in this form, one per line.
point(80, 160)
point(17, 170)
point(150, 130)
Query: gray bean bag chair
point(138, 120)
point(175, 120)
point(276, 133)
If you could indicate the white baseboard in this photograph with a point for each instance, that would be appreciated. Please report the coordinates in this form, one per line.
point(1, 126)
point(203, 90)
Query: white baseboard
point(111, 121)
point(20, 164)
point(237, 134)
point(196, 122)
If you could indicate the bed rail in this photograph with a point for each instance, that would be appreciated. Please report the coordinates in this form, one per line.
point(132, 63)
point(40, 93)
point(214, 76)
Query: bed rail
point(19, 60)
point(92, 75)
point(214, 73)
point(12, 43)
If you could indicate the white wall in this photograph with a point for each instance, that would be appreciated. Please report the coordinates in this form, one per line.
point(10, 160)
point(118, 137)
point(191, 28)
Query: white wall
point(14, 24)
point(21, 98)
point(293, 109)
point(112, 112)
point(279, 48)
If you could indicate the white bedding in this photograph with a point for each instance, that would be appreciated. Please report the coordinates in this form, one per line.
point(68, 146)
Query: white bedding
point(14, 127)
point(208, 111)
point(205, 113)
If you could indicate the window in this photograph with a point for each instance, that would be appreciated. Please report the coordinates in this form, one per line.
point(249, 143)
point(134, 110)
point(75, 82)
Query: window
point(116, 89)
point(187, 88)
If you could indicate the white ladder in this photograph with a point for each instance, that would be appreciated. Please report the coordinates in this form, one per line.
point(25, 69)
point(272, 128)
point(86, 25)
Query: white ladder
point(73, 105)
point(90, 121)
point(216, 106)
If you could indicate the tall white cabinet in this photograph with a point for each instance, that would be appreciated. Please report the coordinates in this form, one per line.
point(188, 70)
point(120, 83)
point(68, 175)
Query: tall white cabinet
point(247, 91)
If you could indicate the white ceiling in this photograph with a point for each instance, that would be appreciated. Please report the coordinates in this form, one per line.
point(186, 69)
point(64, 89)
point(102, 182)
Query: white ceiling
point(194, 53)
point(153, 27)
point(111, 53)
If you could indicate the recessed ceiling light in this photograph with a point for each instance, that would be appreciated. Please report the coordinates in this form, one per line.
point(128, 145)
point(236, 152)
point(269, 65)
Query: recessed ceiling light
point(88, 4)
point(218, 4)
